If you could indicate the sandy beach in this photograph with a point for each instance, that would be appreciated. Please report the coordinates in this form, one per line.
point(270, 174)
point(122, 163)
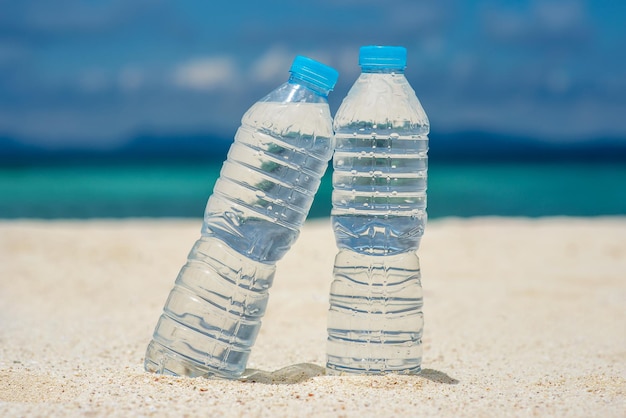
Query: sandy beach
point(523, 317)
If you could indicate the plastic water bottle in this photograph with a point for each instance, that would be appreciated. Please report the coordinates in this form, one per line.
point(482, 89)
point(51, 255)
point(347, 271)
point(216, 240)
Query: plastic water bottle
point(261, 199)
point(379, 212)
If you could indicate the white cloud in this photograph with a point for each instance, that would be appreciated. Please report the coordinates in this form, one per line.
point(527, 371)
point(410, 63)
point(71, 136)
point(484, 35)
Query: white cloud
point(543, 24)
point(93, 80)
point(12, 53)
point(131, 78)
point(77, 17)
point(272, 66)
point(560, 15)
point(207, 73)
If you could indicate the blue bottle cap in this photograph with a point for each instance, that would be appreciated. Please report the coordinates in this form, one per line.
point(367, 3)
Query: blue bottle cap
point(314, 72)
point(391, 57)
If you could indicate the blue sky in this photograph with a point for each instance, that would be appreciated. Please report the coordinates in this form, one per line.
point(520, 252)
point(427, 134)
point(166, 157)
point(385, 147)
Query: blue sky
point(96, 73)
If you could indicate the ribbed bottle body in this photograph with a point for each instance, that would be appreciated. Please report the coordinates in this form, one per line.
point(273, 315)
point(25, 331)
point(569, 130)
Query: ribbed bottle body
point(380, 167)
point(266, 186)
point(375, 319)
point(212, 315)
point(261, 199)
point(379, 197)
point(379, 213)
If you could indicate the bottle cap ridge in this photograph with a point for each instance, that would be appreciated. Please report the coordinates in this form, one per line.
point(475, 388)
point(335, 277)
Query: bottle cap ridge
point(314, 72)
point(382, 56)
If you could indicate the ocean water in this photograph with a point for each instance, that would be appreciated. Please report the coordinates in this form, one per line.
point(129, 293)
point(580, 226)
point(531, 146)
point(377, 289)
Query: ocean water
point(109, 190)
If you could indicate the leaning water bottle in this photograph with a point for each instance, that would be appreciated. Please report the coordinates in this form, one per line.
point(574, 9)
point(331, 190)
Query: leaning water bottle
point(261, 199)
point(375, 319)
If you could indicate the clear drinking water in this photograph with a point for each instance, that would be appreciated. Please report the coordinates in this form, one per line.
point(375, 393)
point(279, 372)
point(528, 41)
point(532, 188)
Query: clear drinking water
point(379, 213)
point(213, 314)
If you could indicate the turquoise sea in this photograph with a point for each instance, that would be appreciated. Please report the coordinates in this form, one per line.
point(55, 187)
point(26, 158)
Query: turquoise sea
point(109, 190)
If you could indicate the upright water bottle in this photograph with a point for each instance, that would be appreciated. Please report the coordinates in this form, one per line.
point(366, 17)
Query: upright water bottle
point(261, 199)
point(379, 212)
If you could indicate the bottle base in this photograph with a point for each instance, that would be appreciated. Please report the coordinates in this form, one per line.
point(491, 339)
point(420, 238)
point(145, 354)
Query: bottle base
point(372, 368)
point(375, 319)
point(161, 360)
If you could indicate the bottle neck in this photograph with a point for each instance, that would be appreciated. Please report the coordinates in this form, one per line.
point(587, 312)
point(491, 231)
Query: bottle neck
point(382, 70)
point(321, 91)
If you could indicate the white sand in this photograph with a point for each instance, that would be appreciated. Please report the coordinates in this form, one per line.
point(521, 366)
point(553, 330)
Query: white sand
point(523, 318)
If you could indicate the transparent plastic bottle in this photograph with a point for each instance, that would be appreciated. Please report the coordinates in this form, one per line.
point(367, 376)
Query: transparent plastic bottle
point(261, 199)
point(375, 319)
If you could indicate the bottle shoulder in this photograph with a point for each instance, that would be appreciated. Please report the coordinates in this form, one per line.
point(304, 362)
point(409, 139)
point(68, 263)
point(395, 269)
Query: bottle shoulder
point(290, 109)
point(285, 118)
point(382, 101)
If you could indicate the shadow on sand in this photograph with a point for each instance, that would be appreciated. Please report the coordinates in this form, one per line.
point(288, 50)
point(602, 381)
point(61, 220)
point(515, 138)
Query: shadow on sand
point(437, 377)
point(295, 373)
point(298, 373)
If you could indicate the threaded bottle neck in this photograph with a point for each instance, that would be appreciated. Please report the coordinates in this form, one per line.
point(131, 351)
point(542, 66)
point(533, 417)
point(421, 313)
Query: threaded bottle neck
point(379, 70)
point(313, 74)
point(295, 79)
